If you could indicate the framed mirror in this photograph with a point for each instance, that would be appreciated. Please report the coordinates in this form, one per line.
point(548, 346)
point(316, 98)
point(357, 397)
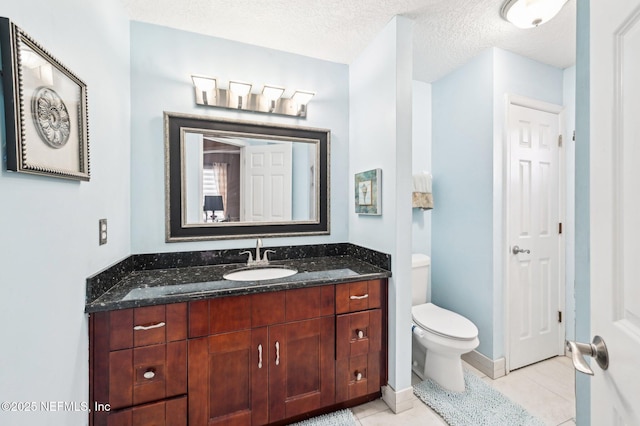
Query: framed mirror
point(237, 179)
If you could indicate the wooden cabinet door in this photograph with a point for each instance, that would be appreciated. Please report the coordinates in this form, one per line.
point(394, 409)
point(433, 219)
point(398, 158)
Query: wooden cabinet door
point(228, 380)
point(301, 367)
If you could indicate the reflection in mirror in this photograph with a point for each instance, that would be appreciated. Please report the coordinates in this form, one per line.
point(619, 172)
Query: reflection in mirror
point(235, 179)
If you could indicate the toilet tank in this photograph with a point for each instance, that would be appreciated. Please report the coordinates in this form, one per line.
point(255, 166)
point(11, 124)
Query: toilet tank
point(420, 285)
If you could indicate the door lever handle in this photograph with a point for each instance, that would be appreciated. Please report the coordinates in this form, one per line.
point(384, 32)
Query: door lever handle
point(517, 250)
point(597, 350)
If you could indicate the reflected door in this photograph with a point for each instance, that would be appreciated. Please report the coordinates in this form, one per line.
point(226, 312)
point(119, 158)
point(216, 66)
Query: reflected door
point(267, 183)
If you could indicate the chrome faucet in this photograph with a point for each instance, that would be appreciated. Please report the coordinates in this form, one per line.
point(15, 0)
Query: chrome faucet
point(258, 246)
point(258, 261)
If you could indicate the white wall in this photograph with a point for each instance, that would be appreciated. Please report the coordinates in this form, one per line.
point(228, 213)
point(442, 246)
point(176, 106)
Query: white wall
point(380, 92)
point(49, 238)
point(162, 62)
point(421, 162)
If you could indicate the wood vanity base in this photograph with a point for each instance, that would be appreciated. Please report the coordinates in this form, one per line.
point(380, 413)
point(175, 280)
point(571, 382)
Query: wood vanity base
point(266, 358)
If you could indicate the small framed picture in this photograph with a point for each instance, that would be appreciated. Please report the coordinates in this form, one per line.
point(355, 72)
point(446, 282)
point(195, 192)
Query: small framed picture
point(45, 109)
point(368, 192)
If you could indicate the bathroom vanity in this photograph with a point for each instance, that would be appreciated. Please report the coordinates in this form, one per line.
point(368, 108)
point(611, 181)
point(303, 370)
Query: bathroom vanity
point(183, 346)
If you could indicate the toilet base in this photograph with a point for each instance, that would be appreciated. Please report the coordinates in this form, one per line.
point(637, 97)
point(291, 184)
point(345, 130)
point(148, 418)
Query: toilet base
point(443, 365)
point(445, 370)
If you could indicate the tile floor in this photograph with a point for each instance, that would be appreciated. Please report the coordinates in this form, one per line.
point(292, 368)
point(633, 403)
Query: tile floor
point(545, 389)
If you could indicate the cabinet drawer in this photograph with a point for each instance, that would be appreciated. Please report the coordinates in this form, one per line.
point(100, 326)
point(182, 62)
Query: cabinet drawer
point(150, 325)
point(358, 333)
point(165, 413)
point(145, 374)
point(358, 296)
point(357, 376)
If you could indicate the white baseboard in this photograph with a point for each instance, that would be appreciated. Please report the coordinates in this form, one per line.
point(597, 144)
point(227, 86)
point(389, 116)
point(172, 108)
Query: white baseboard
point(492, 368)
point(398, 401)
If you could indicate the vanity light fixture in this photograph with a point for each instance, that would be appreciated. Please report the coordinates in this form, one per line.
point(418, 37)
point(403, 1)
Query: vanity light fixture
point(530, 13)
point(272, 94)
point(302, 99)
point(271, 100)
point(241, 90)
point(205, 89)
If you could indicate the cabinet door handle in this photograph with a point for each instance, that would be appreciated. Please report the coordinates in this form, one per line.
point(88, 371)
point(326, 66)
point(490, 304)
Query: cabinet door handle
point(259, 356)
point(148, 327)
point(277, 353)
point(149, 374)
point(360, 334)
point(358, 376)
point(364, 296)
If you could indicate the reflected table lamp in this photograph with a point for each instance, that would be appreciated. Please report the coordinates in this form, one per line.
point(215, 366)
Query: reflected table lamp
point(212, 203)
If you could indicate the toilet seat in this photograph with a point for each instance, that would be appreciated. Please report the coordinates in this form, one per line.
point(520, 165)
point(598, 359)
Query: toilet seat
point(443, 322)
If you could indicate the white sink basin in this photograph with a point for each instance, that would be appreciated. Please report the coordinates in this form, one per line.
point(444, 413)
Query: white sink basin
point(259, 274)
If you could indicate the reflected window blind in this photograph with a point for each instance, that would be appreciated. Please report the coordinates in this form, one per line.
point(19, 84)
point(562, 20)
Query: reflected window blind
point(209, 184)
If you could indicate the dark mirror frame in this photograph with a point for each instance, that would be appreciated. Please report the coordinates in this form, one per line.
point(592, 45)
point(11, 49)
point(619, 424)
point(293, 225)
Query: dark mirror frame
point(175, 232)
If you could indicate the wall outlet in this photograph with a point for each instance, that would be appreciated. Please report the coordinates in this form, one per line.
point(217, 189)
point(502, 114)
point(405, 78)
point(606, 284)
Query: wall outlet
point(102, 236)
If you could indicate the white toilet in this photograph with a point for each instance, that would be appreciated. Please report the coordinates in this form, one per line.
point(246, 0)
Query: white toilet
point(440, 336)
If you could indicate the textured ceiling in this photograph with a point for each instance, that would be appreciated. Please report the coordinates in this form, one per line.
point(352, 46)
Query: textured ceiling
point(447, 33)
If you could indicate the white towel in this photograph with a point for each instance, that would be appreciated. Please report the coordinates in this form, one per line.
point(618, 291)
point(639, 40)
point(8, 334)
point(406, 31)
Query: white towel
point(422, 182)
point(422, 197)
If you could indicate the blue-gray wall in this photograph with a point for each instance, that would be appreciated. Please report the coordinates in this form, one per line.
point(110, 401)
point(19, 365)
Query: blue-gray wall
point(49, 238)
point(570, 211)
point(583, 282)
point(467, 237)
point(162, 62)
point(462, 150)
point(421, 162)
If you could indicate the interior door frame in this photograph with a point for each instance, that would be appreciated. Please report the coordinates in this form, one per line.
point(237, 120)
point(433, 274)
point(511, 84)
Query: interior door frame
point(526, 102)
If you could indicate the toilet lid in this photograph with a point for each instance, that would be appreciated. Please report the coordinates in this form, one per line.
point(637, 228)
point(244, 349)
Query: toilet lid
point(443, 322)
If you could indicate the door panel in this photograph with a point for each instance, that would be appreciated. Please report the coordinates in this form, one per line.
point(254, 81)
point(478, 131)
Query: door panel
point(615, 207)
point(223, 369)
point(534, 217)
point(302, 367)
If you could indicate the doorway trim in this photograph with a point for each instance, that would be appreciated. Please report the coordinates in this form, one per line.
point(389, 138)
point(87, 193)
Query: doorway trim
point(518, 100)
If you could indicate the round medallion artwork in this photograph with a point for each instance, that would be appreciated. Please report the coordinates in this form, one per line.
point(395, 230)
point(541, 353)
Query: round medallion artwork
point(51, 117)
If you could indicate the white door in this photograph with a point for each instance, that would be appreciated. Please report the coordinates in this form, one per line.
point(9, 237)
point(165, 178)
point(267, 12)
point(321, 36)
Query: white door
point(615, 208)
point(534, 236)
point(267, 182)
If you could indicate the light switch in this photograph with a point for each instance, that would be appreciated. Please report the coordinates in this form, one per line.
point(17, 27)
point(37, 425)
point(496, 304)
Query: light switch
point(102, 224)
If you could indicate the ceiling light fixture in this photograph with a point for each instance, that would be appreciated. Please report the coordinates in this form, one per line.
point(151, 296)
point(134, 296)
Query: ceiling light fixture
point(239, 97)
point(530, 13)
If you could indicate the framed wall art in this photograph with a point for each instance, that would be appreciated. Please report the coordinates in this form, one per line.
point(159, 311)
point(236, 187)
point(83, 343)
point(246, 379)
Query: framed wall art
point(368, 192)
point(45, 109)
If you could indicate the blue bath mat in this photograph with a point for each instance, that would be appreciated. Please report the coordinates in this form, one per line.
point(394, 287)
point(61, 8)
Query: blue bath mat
point(337, 418)
point(478, 405)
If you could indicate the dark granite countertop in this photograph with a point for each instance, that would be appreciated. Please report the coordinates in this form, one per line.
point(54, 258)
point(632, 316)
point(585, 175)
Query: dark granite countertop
point(159, 286)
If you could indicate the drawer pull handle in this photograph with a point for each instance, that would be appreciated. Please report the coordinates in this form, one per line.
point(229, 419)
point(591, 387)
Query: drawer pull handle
point(148, 327)
point(360, 334)
point(149, 374)
point(364, 296)
point(259, 356)
point(277, 353)
point(358, 376)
